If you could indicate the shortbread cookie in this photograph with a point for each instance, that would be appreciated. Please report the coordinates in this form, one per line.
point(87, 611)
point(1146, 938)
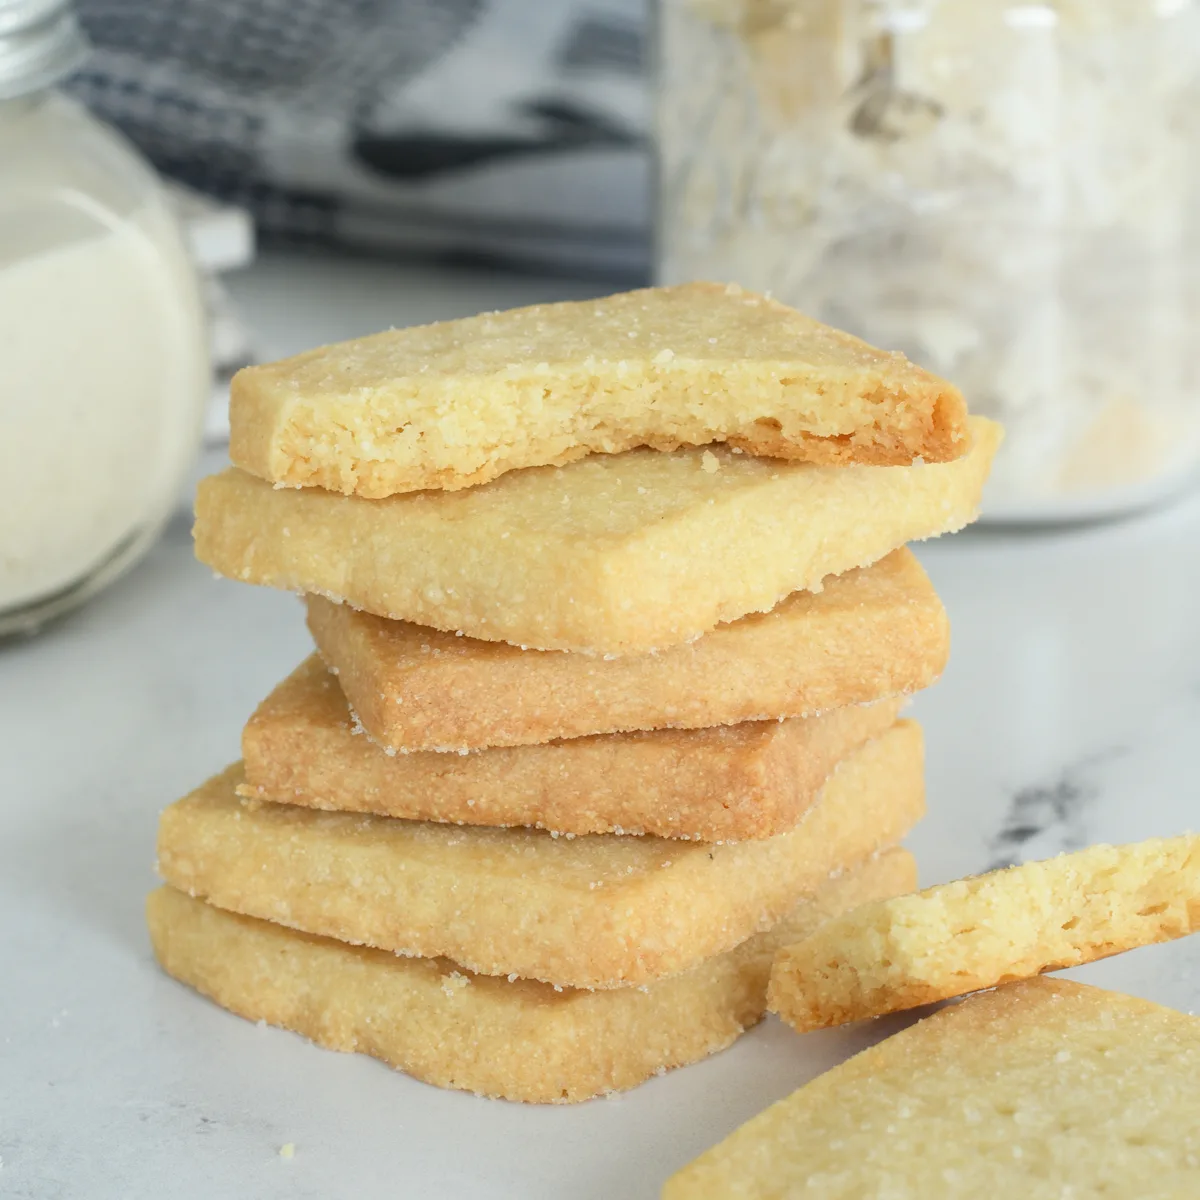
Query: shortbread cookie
point(875, 632)
point(460, 402)
point(752, 780)
point(990, 929)
point(596, 911)
point(516, 1039)
point(1042, 1090)
point(617, 553)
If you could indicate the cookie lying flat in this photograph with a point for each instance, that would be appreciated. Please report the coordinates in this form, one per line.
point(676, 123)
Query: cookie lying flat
point(752, 780)
point(597, 911)
point(460, 402)
point(617, 553)
point(875, 632)
point(990, 929)
point(1044, 1089)
point(517, 1040)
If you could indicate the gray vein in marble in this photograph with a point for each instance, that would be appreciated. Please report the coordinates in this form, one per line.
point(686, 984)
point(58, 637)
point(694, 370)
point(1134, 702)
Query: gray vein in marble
point(1048, 819)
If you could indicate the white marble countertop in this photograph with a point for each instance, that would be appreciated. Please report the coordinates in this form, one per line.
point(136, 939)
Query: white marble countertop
point(1069, 715)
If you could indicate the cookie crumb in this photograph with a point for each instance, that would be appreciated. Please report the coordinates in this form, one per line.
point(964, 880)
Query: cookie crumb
point(454, 983)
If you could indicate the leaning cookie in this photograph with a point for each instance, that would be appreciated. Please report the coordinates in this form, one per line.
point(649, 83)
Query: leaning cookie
point(989, 929)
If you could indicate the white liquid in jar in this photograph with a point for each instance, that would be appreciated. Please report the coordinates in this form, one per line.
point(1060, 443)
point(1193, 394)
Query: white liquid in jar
point(101, 379)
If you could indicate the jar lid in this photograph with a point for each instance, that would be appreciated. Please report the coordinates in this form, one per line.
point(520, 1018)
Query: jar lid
point(40, 43)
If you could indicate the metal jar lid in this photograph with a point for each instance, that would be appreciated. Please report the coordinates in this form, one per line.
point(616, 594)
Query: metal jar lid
point(40, 43)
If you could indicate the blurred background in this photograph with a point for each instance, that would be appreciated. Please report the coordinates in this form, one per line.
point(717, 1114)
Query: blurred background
point(511, 130)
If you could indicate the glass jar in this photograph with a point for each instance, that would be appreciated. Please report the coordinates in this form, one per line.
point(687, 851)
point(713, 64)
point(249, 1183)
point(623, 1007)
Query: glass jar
point(1005, 192)
point(104, 366)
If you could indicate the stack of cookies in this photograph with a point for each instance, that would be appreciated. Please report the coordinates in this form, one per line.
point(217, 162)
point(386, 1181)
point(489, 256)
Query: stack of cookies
point(614, 620)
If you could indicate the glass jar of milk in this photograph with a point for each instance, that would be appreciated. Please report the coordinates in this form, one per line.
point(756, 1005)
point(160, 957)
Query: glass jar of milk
point(103, 352)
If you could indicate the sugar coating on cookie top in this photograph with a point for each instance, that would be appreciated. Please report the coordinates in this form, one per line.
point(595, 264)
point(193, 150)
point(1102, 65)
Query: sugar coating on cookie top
point(458, 403)
point(870, 633)
point(613, 554)
point(596, 911)
point(1042, 1089)
point(990, 929)
point(510, 1038)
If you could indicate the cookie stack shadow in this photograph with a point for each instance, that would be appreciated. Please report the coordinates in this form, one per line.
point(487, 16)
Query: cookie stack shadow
point(580, 749)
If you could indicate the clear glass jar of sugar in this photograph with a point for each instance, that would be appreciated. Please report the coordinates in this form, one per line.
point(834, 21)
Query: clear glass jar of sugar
point(104, 367)
point(1007, 192)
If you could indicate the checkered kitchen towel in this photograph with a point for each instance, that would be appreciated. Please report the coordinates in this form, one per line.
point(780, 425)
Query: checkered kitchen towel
point(505, 128)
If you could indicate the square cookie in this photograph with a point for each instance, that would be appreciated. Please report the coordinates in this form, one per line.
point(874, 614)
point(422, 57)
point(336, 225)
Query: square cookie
point(514, 1039)
point(594, 911)
point(460, 402)
point(1044, 1089)
point(752, 780)
point(874, 632)
point(614, 554)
